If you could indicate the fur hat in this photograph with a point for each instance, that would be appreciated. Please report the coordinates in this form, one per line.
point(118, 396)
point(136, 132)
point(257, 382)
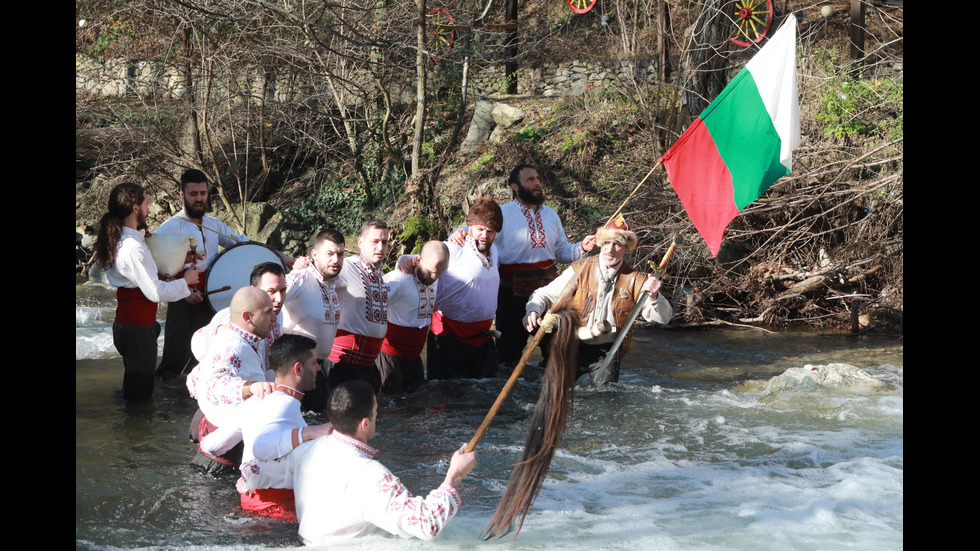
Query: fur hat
point(486, 212)
point(616, 230)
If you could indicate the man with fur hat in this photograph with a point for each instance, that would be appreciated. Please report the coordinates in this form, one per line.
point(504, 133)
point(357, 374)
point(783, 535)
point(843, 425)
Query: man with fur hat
point(460, 343)
point(607, 289)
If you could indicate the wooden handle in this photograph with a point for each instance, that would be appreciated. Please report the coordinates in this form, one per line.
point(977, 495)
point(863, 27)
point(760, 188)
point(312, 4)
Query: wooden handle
point(528, 351)
point(221, 290)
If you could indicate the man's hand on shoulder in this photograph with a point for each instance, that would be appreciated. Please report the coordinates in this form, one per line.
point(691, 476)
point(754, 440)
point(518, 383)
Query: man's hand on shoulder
point(458, 237)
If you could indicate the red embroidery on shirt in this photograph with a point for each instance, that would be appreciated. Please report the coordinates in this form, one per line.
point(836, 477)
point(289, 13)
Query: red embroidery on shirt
point(535, 226)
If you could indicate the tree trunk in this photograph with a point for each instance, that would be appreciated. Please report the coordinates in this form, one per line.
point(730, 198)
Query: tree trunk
point(420, 85)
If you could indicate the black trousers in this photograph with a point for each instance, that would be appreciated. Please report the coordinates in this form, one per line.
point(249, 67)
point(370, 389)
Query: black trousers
point(509, 321)
point(137, 344)
point(448, 358)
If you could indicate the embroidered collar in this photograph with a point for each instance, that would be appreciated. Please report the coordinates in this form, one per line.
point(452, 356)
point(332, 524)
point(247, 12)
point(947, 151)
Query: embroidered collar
point(485, 259)
point(290, 391)
point(252, 339)
point(366, 263)
point(355, 444)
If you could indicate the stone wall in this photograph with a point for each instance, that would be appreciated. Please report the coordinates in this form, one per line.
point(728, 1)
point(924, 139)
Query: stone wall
point(572, 78)
point(115, 78)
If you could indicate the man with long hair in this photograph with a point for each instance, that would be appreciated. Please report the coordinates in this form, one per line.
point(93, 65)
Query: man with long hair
point(121, 250)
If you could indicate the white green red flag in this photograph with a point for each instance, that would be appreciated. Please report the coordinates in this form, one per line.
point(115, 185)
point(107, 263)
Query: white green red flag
point(741, 143)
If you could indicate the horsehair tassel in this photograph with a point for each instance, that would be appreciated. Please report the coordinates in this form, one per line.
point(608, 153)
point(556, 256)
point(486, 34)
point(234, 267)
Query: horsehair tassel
point(545, 428)
point(563, 300)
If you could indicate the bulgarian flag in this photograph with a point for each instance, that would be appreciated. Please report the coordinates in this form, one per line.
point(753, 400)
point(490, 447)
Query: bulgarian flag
point(742, 142)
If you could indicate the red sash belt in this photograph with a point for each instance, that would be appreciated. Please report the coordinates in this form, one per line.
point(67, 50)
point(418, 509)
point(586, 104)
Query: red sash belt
point(356, 349)
point(133, 308)
point(507, 270)
point(405, 343)
point(524, 279)
point(277, 503)
point(468, 332)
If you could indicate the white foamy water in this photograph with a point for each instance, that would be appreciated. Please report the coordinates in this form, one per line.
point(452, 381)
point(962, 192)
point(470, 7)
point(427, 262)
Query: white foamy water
point(688, 452)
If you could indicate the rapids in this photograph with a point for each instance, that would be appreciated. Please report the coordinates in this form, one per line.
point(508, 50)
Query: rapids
point(688, 451)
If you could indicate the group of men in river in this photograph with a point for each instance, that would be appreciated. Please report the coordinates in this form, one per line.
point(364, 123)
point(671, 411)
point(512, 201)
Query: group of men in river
point(334, 333)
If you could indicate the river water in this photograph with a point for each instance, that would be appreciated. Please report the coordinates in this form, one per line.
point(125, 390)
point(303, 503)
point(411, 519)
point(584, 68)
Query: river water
point(686, 452)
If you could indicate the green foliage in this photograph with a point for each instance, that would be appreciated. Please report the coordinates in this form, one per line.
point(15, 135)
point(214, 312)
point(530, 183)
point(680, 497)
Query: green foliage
point(340, 205)
point(417, 231)
point(862, 107)
point(115, 29)
point(530, 135)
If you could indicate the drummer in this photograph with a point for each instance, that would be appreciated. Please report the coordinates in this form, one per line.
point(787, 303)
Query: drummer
point(186, 316)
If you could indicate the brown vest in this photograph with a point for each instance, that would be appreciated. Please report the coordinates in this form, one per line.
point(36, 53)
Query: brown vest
point(626, 290)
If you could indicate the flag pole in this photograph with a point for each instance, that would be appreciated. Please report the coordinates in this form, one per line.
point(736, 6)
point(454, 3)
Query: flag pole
point(632, 193)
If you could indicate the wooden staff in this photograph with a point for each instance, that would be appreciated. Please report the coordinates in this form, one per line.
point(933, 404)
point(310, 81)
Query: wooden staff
point(544, 327)
point(640, 301)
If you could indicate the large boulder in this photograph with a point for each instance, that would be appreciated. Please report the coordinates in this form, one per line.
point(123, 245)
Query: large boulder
point(262, 221)
point(836, 376)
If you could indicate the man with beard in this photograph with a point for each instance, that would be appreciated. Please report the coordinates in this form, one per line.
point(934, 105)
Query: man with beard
point(459, 344)
point(186, 316)
point(121, 251)
point(311, 306)
point(607, 289)
point(275, 426)
point(364, 309)
point(411, 303)
point(531, 241)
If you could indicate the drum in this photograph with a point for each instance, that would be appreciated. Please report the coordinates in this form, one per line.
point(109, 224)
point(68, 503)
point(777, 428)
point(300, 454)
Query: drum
point(232, 268)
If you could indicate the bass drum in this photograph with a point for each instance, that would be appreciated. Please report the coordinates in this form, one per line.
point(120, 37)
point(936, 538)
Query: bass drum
point(232, 268)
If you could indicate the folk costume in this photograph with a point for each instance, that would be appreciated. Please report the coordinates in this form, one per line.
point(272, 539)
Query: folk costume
point(364, 302)
point(367, 497)
point(139, 291)
point(232, 362)
point(529, 243)
point(410, 308)
point(183, 319)
point(459, 344)
point(201, 340)
point(273, 428)
point(311, 308)
point(603, 293)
